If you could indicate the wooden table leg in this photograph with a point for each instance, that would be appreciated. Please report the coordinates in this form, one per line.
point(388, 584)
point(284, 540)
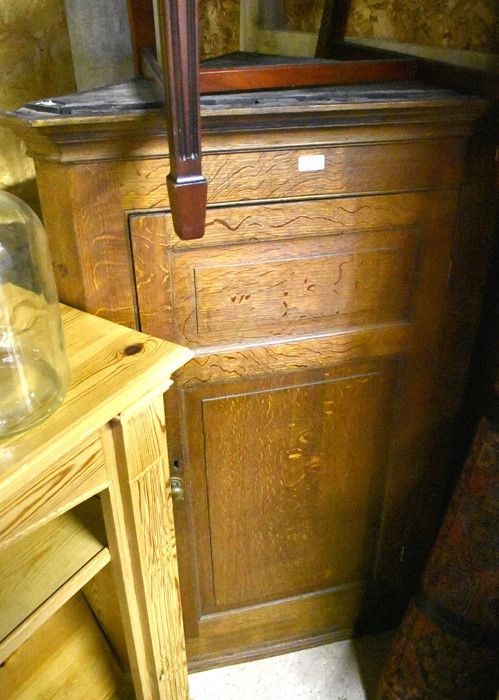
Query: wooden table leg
point(187, 187)
point(139, 522)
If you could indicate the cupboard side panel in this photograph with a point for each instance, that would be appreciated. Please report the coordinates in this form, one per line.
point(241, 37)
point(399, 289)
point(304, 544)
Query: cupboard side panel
point(88, 238)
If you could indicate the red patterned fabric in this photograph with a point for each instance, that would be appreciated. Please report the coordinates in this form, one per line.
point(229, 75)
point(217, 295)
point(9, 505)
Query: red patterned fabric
point(447, 645)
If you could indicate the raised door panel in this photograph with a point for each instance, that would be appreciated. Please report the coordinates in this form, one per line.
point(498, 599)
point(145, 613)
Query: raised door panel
point(284, 271)
point(340, 281)
point(288, 480)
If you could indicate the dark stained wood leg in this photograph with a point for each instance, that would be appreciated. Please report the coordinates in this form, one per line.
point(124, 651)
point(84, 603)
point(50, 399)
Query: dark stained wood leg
point(333, 25)
point(142, 34)
point(187, 188)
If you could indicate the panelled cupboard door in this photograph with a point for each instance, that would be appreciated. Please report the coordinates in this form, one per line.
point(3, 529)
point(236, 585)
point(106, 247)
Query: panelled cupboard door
point(288, 477)
point(304, 418)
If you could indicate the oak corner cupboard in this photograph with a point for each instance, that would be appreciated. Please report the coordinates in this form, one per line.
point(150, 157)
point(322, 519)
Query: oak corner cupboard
point(331, 306)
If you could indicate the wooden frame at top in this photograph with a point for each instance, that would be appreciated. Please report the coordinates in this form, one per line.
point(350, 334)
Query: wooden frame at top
point(183, 81)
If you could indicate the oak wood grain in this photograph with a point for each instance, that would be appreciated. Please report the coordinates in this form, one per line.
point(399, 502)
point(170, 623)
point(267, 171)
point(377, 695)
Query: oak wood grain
point(279, 511)
point(83, 267)
point(345, 280)
point(152, 272)
point(310, 620)
point(211, 377)
point(272, 174)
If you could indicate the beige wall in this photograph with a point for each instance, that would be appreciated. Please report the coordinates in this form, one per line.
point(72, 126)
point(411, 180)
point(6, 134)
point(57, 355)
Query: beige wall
point(459, 24)
point(35, 61)
point(303, 15)
point(218, 27)
point(469, 25)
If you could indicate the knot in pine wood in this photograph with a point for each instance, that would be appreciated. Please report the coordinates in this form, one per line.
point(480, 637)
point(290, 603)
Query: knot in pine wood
point(133, 349)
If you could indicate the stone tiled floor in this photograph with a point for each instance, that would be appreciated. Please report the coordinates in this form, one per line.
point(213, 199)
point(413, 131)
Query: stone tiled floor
point(346, 670)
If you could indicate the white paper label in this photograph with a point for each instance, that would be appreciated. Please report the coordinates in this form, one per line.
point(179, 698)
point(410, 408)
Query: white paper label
point(308, 163)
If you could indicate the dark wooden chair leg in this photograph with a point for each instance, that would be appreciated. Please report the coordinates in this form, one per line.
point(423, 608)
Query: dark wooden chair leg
point(333, 26)
point(142, 33)
point(187, 188)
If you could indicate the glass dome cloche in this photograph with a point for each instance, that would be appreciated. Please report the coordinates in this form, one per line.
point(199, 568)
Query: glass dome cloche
point(33, 365)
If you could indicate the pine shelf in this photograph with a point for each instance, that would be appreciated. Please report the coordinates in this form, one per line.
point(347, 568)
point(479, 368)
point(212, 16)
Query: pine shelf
point(41, 571)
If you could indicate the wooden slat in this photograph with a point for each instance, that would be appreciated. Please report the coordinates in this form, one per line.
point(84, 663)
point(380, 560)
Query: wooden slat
point(40, 572)
point(24, 631)
point(240, 78)
point(153, 617)
point(142, 32)
point(54, 488)
point(214, 80)
point(68, 657)
point(100, 593)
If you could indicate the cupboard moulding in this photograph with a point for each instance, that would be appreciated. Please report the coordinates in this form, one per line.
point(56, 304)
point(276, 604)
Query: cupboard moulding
point(107, 136)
